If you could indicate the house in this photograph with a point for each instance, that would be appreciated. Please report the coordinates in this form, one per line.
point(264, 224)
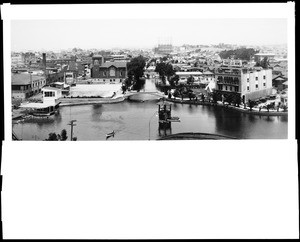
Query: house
point(278, 82)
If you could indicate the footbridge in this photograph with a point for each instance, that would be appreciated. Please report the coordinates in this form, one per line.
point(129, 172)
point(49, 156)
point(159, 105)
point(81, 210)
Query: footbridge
point(144, 96)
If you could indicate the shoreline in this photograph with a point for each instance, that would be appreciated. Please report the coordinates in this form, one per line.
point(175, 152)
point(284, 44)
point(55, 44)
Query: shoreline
point(87, 101)
point(238, 109)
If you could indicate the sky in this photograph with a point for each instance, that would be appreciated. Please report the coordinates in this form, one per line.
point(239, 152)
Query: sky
point(143, 33)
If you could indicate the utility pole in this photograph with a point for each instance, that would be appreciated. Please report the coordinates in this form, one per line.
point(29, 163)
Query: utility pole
point(72, 124)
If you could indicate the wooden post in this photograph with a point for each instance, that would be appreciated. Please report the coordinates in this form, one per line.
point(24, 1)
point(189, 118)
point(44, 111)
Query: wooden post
point(72, 124)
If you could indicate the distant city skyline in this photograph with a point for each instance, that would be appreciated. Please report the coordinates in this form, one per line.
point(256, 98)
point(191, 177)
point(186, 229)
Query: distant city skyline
point(58, 35)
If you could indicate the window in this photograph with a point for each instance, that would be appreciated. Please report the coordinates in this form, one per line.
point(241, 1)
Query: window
point(226, 88)
point(256, 78)
point(248, 79)
point(112, 72)
point(264, 77)
point(264, 84)
point(248, 88)
point(230, 88)
point(256, 86)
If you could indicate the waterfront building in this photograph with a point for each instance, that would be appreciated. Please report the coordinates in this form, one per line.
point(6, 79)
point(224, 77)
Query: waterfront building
point(51, 95)
point(25, 85)
point(242, 83)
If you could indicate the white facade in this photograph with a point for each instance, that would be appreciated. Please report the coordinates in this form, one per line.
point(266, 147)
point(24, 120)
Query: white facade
point(51, 95)
point(256, 84)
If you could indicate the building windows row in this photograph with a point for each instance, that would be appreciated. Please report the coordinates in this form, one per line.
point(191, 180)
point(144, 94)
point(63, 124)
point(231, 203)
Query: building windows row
point(49, 94)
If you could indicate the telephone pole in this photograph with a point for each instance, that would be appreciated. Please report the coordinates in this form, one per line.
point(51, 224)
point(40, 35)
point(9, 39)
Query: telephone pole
point(72, 124)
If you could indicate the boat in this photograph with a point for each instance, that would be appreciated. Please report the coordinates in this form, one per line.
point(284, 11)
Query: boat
point(40, 110)
point(111, 134)
point(173, 119)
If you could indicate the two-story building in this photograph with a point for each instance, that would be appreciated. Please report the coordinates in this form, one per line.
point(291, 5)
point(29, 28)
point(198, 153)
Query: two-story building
point(109, 72)
point(25, 85)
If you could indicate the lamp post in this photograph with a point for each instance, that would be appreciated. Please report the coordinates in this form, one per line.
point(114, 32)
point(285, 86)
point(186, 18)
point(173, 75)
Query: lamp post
point(155, 114)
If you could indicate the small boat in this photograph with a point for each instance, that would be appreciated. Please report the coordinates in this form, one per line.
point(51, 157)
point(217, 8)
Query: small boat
point(111, 134)
point(174, 119)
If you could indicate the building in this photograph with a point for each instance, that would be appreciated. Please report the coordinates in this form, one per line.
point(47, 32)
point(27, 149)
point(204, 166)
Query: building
point(17, 60)
point(163, 49)
point(25, 85)
point(232, 62)
point(51, 95)
point(243, 83)
point(112, 72)
point(278, 82)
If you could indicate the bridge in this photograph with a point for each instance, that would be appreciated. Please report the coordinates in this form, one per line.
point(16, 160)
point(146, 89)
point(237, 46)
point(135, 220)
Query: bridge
point(144, 96)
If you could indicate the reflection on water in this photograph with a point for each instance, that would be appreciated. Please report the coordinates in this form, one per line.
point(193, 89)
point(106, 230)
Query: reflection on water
point(131, 121)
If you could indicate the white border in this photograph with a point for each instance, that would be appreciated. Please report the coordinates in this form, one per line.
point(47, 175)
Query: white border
point(201, 189)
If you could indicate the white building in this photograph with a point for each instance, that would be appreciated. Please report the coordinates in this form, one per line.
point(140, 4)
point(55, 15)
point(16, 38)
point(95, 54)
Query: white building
point(51, 95)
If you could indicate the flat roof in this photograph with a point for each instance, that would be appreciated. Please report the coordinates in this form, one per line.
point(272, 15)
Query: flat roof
point(265, 54)
point(35, 105)
point(114, 63)
point(188, 73)
point(50, 88)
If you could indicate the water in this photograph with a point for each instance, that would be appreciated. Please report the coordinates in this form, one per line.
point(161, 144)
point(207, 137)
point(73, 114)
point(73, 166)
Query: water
point(130, 121)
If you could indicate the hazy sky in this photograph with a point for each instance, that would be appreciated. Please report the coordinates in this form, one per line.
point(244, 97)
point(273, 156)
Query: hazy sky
point(143, 33)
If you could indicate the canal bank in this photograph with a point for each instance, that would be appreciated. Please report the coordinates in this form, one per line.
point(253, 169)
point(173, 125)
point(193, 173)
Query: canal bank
point(254, 111)
point(136, 120)
point(89, 101)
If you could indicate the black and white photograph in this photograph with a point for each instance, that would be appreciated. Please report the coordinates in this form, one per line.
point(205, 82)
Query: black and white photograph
point(73, 81)
point(178, 121)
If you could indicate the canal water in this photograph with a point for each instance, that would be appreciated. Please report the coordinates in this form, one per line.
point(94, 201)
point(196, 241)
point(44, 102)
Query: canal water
point(135, 120)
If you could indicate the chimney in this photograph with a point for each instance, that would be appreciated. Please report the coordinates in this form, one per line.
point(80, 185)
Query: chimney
point(44, 60)
point(44, 67)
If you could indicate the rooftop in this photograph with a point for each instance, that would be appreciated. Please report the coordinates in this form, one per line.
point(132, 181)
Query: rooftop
point(117, 64)
point(24, 78)
point(265, 54)
point(188, 73)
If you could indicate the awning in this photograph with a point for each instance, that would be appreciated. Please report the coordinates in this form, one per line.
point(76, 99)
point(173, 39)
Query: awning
point(35, 105)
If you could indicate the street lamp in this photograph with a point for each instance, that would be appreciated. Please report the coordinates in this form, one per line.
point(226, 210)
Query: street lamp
point(155, 114)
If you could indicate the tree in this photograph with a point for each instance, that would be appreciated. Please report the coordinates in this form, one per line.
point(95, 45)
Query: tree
point(251, 104)
point(136, 67)
point(63, 135)
point(135, 70)
point(174, 80)
point(56, 137)
point(190, 80)
point(263, 63)
point(242, 53)
point(52, 137)
point(165, 70)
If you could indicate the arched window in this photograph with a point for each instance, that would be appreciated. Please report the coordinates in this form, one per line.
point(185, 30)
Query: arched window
point(112, 72)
